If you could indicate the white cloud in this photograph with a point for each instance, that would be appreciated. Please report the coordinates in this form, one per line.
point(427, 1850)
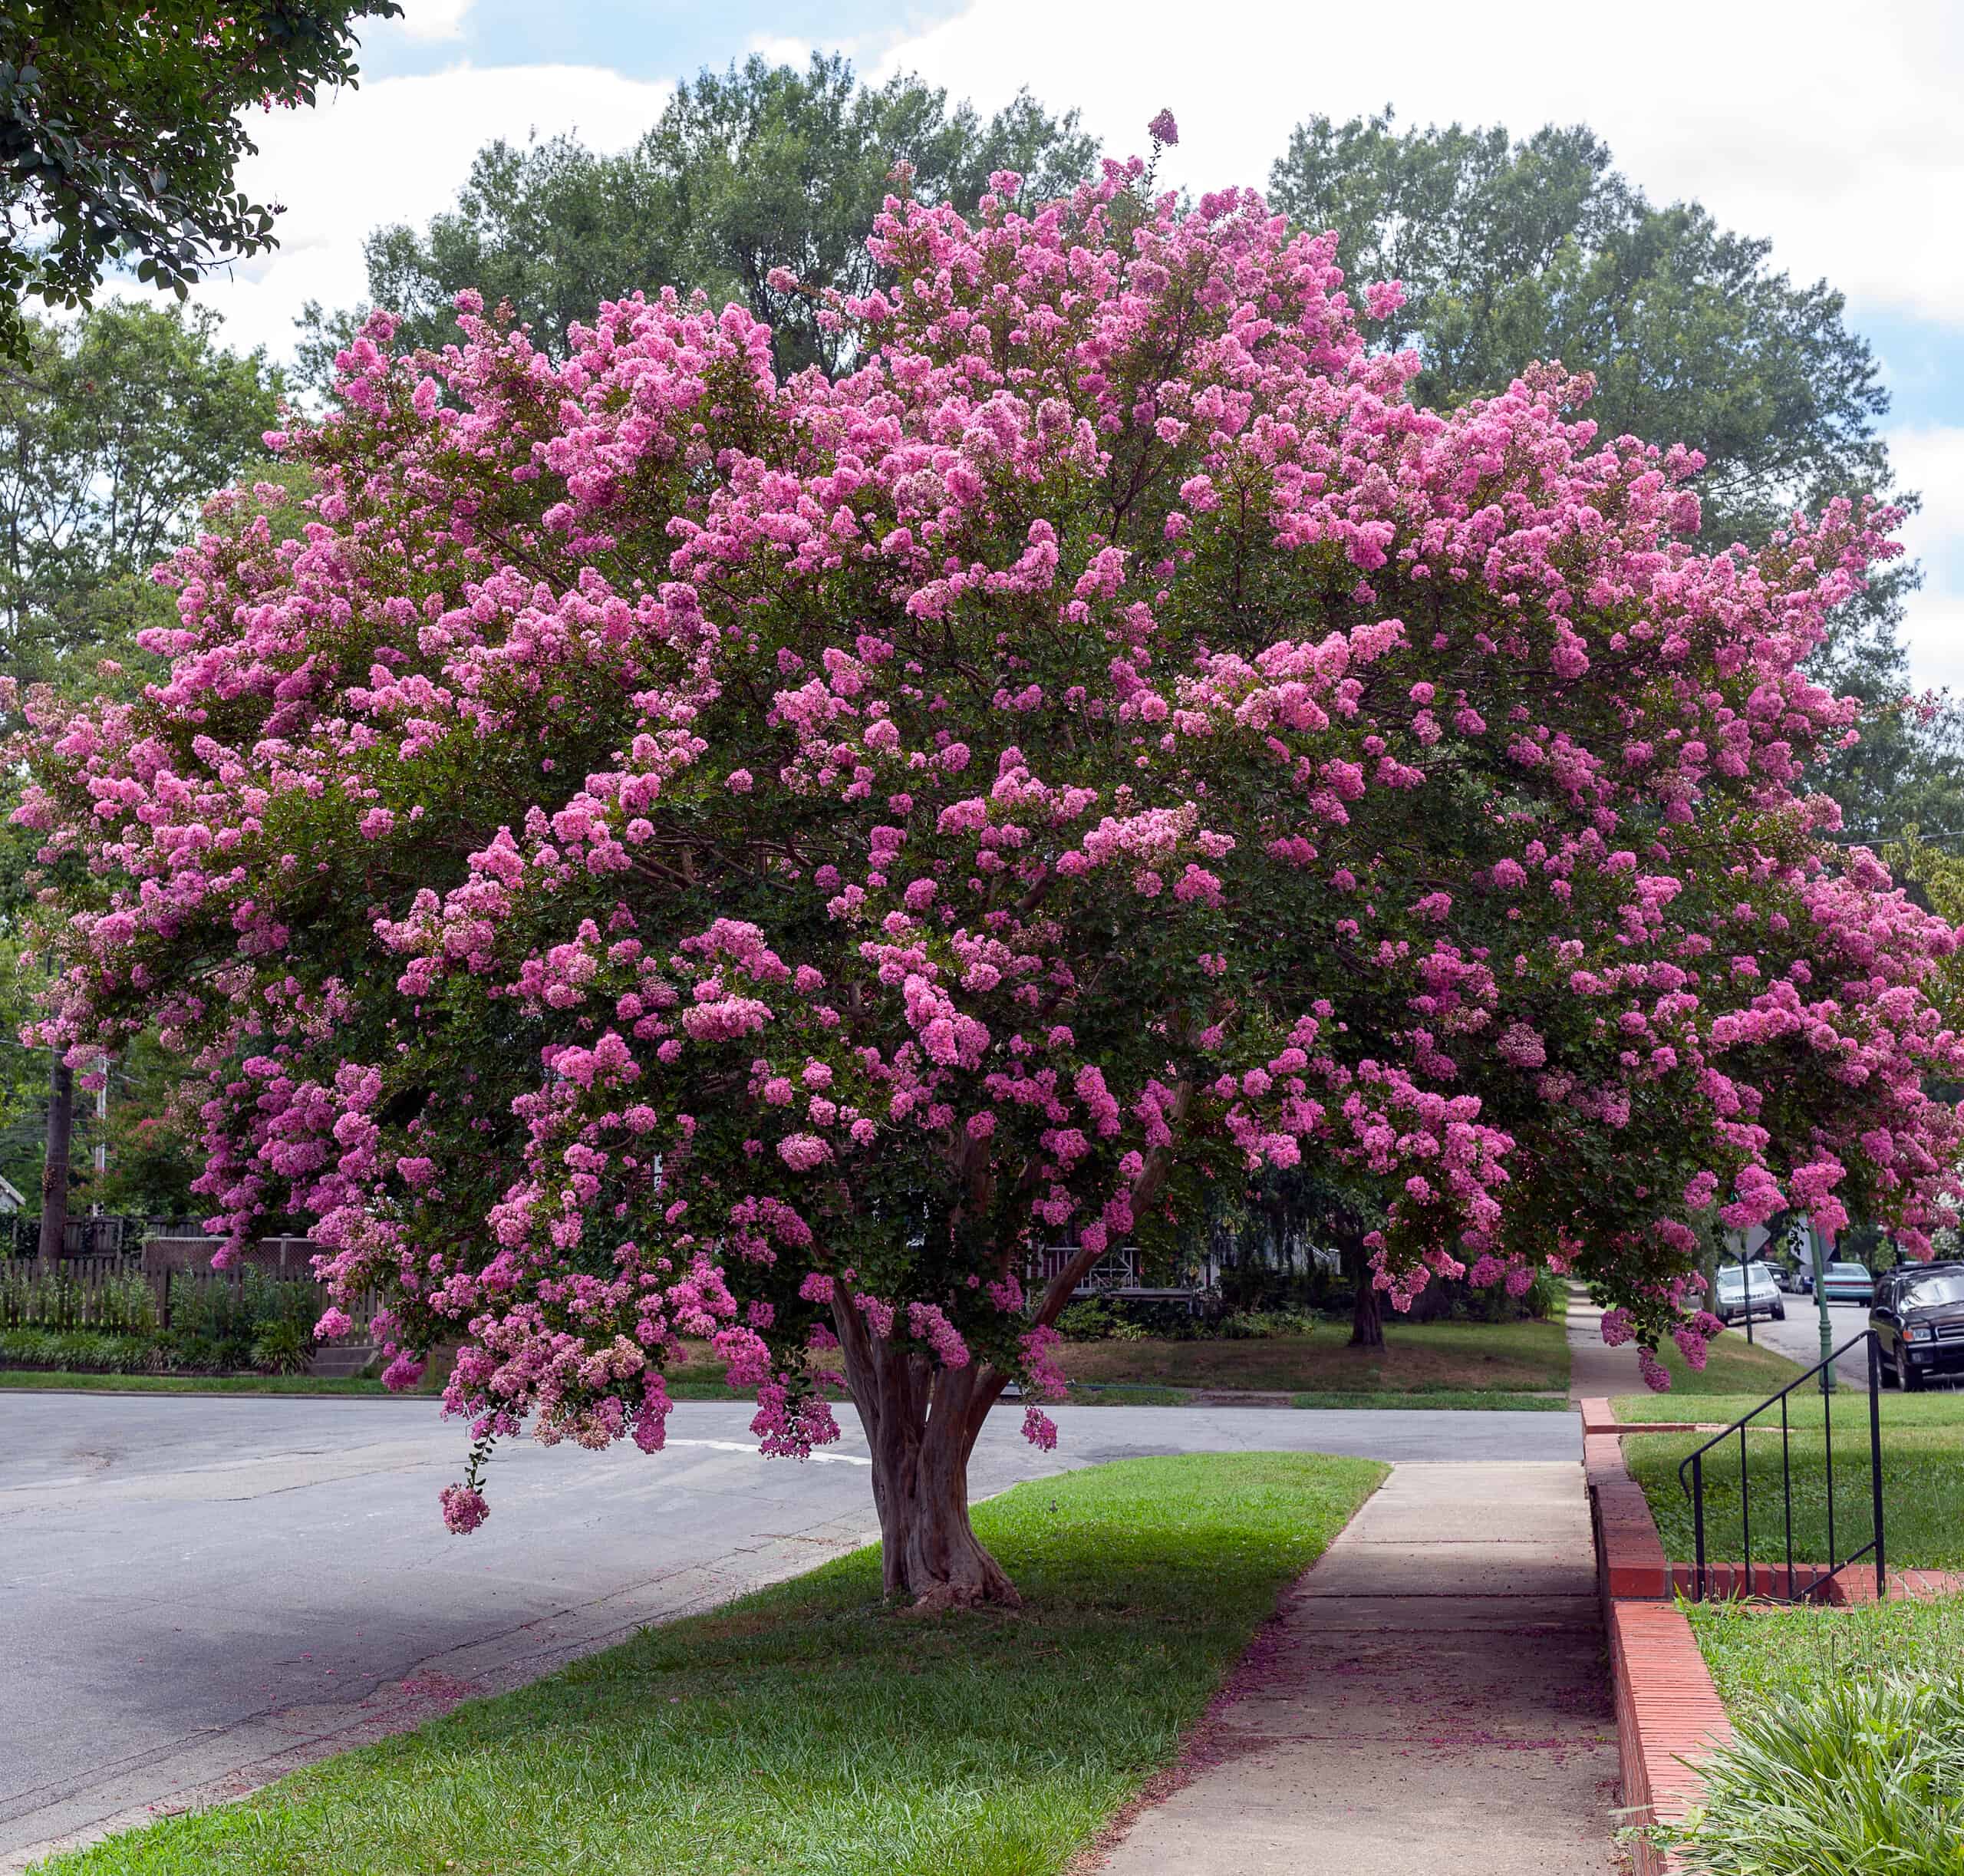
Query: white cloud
point(781, 50)
point(432, 19)
point(396, 150)
point(1930, 458)
point(1835, 133)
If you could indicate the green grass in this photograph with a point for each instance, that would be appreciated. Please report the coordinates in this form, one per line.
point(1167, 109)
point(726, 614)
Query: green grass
point(1732, 1366)
point(809, 1730)
point(1757, 1655)
point(1923, 1476)
point(1805, 1408)
point(1495, 1402)
point(1417, 1358)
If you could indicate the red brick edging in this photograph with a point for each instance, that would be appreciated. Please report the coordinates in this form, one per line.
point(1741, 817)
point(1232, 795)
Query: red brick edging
point(1667, 1710)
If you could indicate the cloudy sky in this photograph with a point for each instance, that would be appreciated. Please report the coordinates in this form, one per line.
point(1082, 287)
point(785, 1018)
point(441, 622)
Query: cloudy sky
point(1839, 140)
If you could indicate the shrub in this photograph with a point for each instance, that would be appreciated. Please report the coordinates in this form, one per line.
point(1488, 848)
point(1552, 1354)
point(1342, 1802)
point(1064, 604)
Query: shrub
point(1087, 1322)
point(219, 1323)
point(79, 1351)
point(1862, 1776)
point(283, 1346)
point(1247, 1325)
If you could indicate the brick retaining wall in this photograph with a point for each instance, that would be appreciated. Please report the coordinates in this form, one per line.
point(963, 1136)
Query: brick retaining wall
point(1667, 1710)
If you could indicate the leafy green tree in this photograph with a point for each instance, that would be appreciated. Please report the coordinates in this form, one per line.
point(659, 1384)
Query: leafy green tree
point(1540, 249)
point(757, 168)
point(112, 433)
point(110, 437)
point(1513, 251)
point(121, 126)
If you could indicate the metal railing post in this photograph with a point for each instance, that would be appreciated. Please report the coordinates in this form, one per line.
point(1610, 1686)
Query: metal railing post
point(1875, 1463)
point(1698, 1524)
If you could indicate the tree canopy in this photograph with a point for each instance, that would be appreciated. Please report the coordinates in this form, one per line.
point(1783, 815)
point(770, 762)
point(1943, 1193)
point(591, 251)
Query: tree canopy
point(747, 171)
point(670, 851)
point(121, 126)
point(1514, 251)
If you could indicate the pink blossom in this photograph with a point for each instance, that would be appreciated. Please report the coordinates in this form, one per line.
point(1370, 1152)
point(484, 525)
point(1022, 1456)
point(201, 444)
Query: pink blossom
point(464, 1509)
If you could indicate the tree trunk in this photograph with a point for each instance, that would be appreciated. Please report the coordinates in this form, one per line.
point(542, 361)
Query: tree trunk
point(55, 1169)
point(1367, 1318)
point(921, 1423)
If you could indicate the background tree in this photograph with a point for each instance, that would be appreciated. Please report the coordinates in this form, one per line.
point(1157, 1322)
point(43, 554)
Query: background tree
point(113, 432)
point(121, 126)
point(674, 853)
point(113, 429)
point(748, 172)
point(1514, 251)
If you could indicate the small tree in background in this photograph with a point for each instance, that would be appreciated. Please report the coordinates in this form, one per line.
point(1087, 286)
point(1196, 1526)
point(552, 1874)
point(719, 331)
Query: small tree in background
point(670, 852)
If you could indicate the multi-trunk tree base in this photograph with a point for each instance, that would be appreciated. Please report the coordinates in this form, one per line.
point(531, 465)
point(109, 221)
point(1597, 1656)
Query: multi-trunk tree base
point(921, 1423)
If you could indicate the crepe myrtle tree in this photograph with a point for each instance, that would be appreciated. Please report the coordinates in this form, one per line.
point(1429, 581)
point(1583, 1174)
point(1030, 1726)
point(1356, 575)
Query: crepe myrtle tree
point(667, 853)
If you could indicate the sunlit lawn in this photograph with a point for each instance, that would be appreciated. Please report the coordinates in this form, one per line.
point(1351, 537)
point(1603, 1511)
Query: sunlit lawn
point(1922, 1477)
point(1427, 1357)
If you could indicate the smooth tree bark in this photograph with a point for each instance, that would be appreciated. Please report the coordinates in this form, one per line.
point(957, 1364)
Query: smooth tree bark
point(921, 1425)
point(922, 1421)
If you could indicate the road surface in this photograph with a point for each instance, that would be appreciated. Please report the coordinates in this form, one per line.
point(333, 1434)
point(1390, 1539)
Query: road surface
point(197, 1594)
point(1798, 1337)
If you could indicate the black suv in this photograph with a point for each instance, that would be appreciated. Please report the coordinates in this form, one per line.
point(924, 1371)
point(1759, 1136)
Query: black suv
point(1918, 1318)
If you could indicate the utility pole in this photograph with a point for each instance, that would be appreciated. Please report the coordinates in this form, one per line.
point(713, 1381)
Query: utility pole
point(100, 1157)
point(54, 1172)
point(1820, 1249)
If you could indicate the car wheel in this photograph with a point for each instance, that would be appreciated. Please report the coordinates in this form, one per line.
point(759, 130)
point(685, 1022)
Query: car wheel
point(1779, 1312)
point(1913, 1379)
point(1887, 1371)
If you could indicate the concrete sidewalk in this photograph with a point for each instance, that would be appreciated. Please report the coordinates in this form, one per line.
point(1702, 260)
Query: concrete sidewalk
point(1433, 1697)
point(1596, 1371)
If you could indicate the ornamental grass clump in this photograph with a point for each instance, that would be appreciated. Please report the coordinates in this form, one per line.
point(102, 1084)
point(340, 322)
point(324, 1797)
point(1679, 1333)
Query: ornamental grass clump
point(652, 851)
point(1856, 1777)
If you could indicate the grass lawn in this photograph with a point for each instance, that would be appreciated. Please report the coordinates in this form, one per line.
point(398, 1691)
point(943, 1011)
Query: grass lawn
point(808, 1729)
point(1732, 1366)
point(1923, 1476)
point(1417, 1358)
point(1443, 1398)
point(1754, 1656)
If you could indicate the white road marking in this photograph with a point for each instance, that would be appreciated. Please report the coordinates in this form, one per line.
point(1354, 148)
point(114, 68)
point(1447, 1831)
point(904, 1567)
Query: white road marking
point(738, 1446)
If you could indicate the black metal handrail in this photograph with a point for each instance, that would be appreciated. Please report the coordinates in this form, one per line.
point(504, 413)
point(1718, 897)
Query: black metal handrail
point(1694, 1487)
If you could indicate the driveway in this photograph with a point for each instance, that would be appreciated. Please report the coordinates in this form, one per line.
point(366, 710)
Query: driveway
point(197, 1595)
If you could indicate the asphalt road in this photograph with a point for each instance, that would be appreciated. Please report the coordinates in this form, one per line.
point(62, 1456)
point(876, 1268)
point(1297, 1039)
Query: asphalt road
point(198, 1594)
point(1799, 1336)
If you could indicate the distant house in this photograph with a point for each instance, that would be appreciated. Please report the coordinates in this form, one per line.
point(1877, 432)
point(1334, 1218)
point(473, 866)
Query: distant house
point(12, 1197)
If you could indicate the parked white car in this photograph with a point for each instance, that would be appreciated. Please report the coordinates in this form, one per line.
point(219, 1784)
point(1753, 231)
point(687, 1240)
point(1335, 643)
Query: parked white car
point(1742, 1293)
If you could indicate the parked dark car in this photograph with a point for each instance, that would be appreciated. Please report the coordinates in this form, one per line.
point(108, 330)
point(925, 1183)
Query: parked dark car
point(1918, 1321)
